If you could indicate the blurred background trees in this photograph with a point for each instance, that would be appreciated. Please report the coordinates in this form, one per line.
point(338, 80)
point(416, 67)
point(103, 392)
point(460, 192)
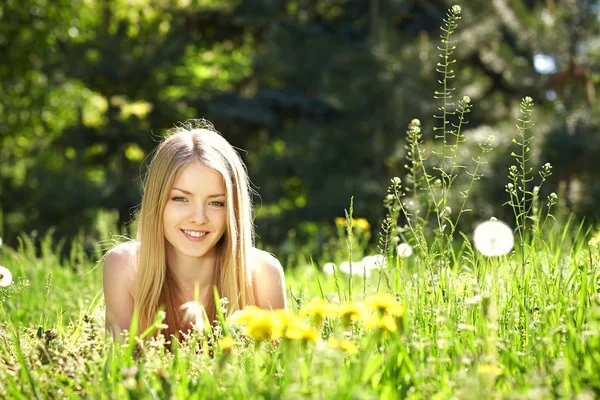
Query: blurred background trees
point(317, 93)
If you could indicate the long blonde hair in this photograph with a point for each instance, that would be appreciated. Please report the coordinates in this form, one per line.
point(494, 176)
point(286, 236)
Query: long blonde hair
point(194, 141)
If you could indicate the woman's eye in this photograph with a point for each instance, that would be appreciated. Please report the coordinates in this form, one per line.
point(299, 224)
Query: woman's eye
point(178, 198)
point(218, 203)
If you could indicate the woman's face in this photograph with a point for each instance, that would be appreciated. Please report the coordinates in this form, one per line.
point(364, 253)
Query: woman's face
point(195, 216)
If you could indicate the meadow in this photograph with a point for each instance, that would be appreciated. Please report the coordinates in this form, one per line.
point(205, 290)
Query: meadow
point(427, 309)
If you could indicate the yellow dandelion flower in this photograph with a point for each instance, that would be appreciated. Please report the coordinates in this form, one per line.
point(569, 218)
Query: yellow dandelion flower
point(348, 312)
point(340, 221)
point(386, 303)
point(387, 324)
point(265, 326)
point(489, 369)
point(284, 316)
point(348, 347)
point(226, 343)
point(243, 317)
point(345, 345)
point(298, 329)
point(361, 223)
point(318, 308)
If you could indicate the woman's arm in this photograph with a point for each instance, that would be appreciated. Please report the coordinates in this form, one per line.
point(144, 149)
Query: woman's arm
point(118, 282)
point(269, 282)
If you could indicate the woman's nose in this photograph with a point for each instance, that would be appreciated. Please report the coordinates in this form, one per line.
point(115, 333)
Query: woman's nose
point(198, 215)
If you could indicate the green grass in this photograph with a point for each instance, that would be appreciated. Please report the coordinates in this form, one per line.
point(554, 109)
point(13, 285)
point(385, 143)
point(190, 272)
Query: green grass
point(477, 328)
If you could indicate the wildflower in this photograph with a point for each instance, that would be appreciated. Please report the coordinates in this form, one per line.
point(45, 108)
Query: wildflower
point(243, 317)
point(226, 343)
point(385, 303)
point(404, 250)
point(318, 308)
point(5, 276)
point(194, 312)
point(361, 223)
point(358, 268)
point(374, 262)
point(265, 326)
point(345, 345)
point(298, 329)
point(0, 242)
point(340, 221)
point(348, 312)
point(387, 323)
point(396, 181)
point(489, 369)
point(329, 268)
point(456, 9)
point(493, 238)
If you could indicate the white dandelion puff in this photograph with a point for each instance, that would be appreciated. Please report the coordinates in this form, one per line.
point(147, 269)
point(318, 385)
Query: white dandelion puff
point(194, 312)
point(329, 268)
point(5, 276)
point(374, 262)
point(358, 268)
point(493, 238)
point(404, 250)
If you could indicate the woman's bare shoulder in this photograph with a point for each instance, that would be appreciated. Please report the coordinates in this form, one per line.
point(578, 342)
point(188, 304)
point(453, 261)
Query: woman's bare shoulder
point(269, 280)
point(262, 259)
point(120, 262)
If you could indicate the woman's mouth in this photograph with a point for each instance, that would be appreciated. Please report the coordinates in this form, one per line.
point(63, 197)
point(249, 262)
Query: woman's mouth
point(194, 236)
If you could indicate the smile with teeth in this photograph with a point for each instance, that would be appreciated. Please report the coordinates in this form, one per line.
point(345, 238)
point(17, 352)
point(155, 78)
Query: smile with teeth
point(194, 233)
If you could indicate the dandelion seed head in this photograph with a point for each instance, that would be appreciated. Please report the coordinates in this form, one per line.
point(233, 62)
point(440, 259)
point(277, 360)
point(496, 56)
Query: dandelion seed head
point(358, 268)
point(493, 238)
point(404, 250)
point(329, 268)
point(5, 276)
point(374, 262)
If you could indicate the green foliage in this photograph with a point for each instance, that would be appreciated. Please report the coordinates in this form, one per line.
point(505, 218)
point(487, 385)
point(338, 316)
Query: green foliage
point(316, 92)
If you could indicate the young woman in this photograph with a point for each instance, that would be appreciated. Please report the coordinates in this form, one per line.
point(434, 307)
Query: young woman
point(195, 229)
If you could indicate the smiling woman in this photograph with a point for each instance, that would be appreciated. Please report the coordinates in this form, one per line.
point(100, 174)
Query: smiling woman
point(195, 230)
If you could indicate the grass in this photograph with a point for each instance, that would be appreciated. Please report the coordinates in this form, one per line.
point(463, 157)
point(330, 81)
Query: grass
point(477, 328)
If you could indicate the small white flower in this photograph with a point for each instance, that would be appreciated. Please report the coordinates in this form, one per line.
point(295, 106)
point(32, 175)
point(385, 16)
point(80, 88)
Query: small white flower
point(329, 268)
point(0, 242)
point(194, 312)
point(358, 268)
point(493, 238)
point(5, 276)
point(404, 250)
point(374, 262)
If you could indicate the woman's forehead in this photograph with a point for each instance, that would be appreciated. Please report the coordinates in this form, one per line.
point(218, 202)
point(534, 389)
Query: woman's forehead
point(197, 177)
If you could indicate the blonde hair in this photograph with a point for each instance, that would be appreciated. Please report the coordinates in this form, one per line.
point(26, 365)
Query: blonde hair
point(194, 141)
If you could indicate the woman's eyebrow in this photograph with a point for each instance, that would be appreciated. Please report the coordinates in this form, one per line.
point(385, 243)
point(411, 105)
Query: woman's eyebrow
point(183, 191)
point(190, 193)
